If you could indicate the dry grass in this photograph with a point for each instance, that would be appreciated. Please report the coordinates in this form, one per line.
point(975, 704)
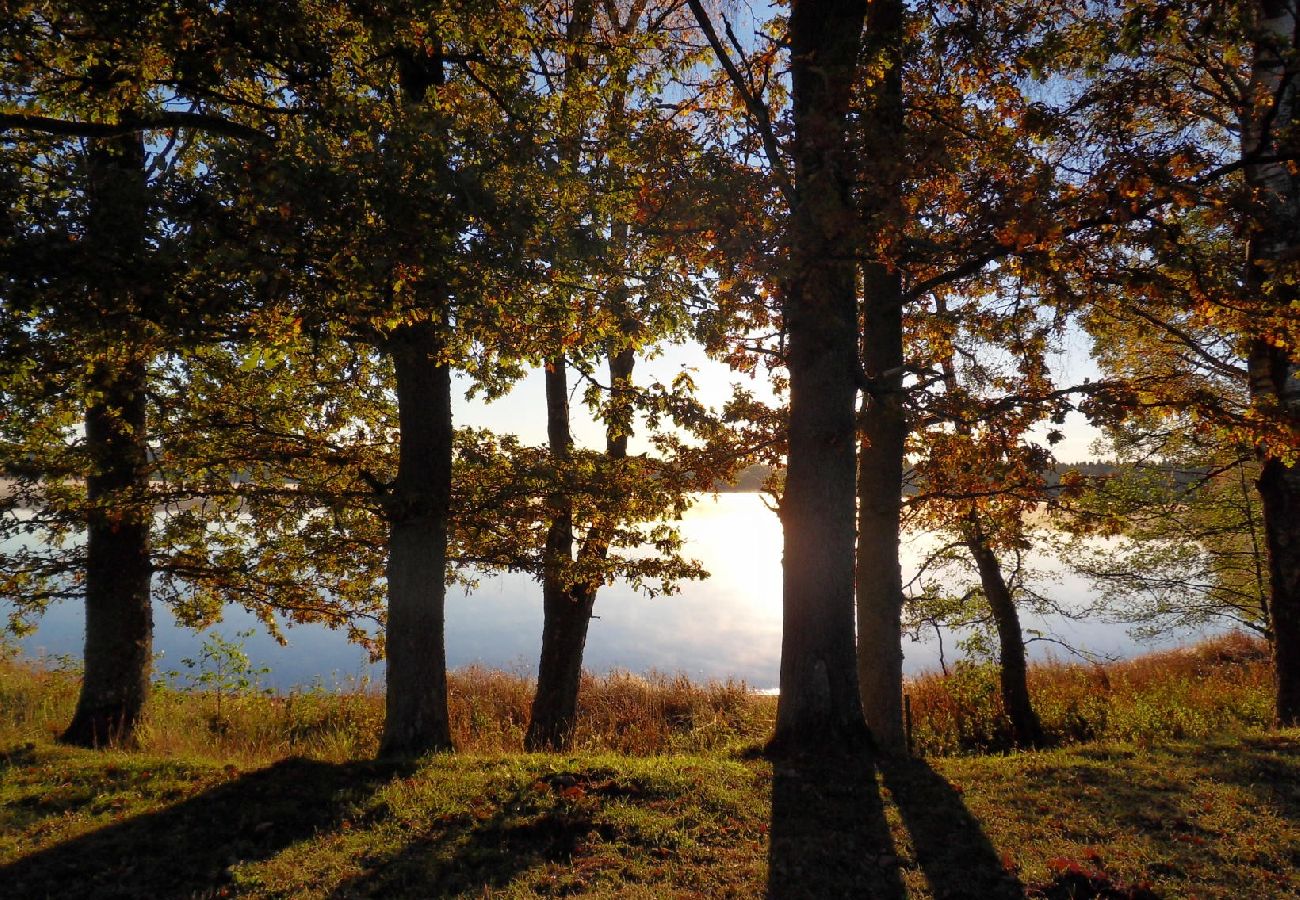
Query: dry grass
point(619, 712)
point(681, 809)
point(1217, 687)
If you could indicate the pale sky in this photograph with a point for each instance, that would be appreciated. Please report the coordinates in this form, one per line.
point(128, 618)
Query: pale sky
point(523, 410)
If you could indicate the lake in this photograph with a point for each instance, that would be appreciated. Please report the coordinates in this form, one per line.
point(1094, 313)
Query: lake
point(728, 626)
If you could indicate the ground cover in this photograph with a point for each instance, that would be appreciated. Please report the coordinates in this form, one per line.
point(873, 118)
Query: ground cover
point(270, 802)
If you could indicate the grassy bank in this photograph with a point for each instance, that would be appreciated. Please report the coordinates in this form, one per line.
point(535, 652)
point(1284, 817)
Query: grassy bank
point(620, 713)
point(1206, 819)
point(1215, 688)
point(667, 797)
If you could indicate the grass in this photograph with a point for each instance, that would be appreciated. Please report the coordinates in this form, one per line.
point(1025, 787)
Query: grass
point(1216, 687)
point(620, 713)
point(273, 802)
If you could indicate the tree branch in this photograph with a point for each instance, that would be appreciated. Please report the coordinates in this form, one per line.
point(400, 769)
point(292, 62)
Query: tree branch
point(156, 121)
point(757, 109)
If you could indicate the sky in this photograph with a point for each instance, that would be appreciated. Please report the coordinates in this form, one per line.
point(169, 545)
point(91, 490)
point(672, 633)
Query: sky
point(523, 410)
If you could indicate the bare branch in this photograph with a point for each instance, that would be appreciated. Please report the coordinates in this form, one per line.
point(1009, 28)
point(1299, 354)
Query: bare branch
point(762, 121)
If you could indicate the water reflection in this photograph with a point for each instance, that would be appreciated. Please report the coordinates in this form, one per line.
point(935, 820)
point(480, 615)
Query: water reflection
point(726, 626)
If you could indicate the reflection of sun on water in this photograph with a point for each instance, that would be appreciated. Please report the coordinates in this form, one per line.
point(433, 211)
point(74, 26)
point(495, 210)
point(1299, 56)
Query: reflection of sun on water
point(738, 539)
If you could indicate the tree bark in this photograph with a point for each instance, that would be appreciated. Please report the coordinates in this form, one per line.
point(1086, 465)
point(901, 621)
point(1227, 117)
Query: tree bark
point(1012, 672)
point(820, 707)
point(879, 581)
point(879, 577)
point(1274, 371)
point(567, 613)
point(119, 617)
point(418, 506)
point(568, 605)
point(1279, 488)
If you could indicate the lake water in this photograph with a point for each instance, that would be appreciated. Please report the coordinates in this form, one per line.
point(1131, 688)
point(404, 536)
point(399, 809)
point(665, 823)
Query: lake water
point(728, 626)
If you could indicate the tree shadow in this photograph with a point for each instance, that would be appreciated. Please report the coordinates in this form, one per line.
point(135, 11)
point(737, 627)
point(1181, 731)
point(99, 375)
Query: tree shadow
point(953, 851)
point(1267, 767)
point(187, 849)
point(467, 853)
point(829, 836)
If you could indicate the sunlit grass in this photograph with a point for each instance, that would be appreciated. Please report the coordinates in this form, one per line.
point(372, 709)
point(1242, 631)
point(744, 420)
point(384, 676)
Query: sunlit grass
point(1218, 687)
point(1221, 686)
point(619, 712)
point(1178, 793)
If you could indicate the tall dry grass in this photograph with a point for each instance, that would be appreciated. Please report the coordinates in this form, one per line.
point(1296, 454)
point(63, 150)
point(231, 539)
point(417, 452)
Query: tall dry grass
point(1215, 687)
point(489, 711)
point(1218, 686)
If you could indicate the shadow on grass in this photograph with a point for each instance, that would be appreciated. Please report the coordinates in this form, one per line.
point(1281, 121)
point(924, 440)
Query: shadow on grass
point(829, 836)
point(186, 849)
point(468, 854)
point(951, 848)
point(1268, 767)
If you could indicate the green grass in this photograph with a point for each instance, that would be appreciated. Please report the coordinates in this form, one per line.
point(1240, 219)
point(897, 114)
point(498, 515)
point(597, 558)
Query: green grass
point(668, 797)
point(1184, 819)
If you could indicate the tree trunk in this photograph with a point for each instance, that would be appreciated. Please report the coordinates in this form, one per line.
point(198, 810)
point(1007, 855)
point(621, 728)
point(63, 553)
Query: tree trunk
point(879, 581)
point(1274, 371)
point(820, 707)
point(416, 720)
point(119, 617)
point(1028, 731)
point(1279, 487)
point(566, 608)
point(567, 615)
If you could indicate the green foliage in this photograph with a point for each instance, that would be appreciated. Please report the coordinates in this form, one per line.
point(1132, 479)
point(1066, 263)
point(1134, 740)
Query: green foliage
point(1176, 542)
point(223, 670)
point(297, 219)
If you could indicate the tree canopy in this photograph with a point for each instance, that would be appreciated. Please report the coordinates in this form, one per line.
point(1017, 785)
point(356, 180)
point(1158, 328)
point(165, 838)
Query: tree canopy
point(250, 252)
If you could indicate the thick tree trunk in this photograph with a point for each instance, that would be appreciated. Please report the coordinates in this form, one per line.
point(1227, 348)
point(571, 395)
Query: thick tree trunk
point(1279, 486)
point(879, 581)
point(1025, 726)
point(416, 720)
point(820, 708)
point(1275, 371)
point(119, 617)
